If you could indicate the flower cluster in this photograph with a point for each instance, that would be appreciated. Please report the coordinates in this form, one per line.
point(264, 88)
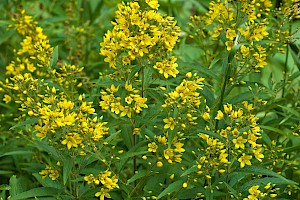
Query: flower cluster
point(67, 75)
point(131, 103)
point(35, 47)
point(159, 147)
point(32, 59)
point(242, 132)
point(139, 33)
point(243, 25)
point(255, 193)
point(185, 97)
point(60, 120)
point(49, 171)
point(105, 180)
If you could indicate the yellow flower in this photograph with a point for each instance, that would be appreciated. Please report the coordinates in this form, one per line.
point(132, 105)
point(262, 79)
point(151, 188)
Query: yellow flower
point(153, 4)
point(125, 111)
point(139, 103)
point(152, 147)
point(245, 51)
point(230, 34)
point(273, 195)
point(159, 164)
point(90, 178)
point(72, 140)
point(229, 45)
point(254, 190)
point(244, 159)
point(53, 174)
point(235, 132)
point(6, 98)
point(170, 123)
point(116, 107)
point(219, 116)
point(259, 33)
point(258, 155)
point(239, 142)
point(102, 194)
point(206, 116)
point(178, 147)
point(223, 156)
point(167, 67)
point(162, 140)
point(227, 108)
point(169, 154)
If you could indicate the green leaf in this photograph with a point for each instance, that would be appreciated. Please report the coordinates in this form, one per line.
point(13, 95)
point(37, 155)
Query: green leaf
point(67, 168)
point(189, 171)
point(155, 95)
point(29, 121)
point(235, 177)
point(54, 57)
point(138, 175)
point(7, 35)
point(208, 95)
point(15, 186)
point(263, 182)
point(4, 187)
point(263, 171)
point(46, 182)
point(51, 150)
point(173, 187)
point(276, 130)
point(112, 136)
point(241, 97)
point(6, 172)
point(209, 194)
point(232, 191)
point(290, 110)
point(266, 139)
point(142, 120)
point(132, 154)
point(5, 105)
point(134, 151)
point(210, 133)
point(126, 134)
point(133, 71)
point(291, 149)
point(17, 153)
point(36, 192)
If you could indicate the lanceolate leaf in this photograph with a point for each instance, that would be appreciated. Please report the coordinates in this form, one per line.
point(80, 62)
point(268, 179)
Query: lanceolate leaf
point(54, 58)
point(265, 181)
point(264, 171)
point(173, 187)
point(36, 192)
point(67, 168)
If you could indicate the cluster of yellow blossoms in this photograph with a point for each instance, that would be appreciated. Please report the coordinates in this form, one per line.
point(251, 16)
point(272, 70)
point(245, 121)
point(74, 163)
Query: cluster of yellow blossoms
point(61, 121)
point(139, 33)
point(49, 171)
point(185, 97)
point(132, 103)
point(172, 154)
point(244, 25)
point(35, 47)
point(255, 193)
point(107, 182)
point(240, 136)
point(60, 116)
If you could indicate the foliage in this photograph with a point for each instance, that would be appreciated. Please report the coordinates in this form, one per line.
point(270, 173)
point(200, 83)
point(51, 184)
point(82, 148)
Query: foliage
point(181, 99)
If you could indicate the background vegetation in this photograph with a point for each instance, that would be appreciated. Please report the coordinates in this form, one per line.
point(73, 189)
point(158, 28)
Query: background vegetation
point(187, 135)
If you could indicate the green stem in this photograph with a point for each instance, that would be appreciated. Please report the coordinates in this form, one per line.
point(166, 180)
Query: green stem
point(225, 80)
point(285, 67)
